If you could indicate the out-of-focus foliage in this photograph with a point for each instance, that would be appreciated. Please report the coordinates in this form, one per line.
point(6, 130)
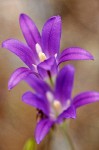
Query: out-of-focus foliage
point(30, 144)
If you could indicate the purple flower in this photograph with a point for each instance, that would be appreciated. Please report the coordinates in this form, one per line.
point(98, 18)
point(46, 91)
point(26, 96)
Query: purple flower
point(55, 105)
point(41, 54)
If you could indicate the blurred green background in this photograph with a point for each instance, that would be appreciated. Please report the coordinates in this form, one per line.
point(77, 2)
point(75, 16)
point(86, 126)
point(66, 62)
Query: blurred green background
point(80, 27)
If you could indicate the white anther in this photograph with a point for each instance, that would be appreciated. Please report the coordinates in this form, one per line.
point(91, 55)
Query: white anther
point(55, 55)
point(49, 96)
point(41, 55)
point(38, 48)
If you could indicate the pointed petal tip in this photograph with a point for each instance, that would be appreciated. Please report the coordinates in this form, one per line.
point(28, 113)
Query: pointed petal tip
point(3, 44)
point(92, 57)
point(23, 97)
point(57, 17)
point(74, 117)
point(9, 88)
point(70, 67)
point(38, 141)
point(22, 15)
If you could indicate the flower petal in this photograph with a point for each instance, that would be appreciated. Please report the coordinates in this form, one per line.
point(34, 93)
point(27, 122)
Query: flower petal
point(74, 53)
point(51, 34)
point(42, 129)
point(18, 75)
point(37, 101)
point(69, 113)
point(46, 67)
point(64, 83)
point(37, 84)
point(85, 98)
point(30, 32)
point(19, 49)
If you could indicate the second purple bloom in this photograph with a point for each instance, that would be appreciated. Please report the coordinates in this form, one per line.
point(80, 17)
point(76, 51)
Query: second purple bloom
point(55, 104)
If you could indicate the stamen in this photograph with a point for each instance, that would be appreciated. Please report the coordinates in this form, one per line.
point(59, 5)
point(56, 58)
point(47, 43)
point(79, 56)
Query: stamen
point(38, 48)
point(55, 55)
point(49, 96)
point(57, 106)
point(41, 55)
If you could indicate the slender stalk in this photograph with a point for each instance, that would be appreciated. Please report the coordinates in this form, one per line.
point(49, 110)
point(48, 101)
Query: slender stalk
point(65, 132)
point(50, 77)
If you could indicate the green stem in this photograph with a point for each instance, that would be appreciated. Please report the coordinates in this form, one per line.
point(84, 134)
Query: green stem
point(65, 132)
point(50, 77)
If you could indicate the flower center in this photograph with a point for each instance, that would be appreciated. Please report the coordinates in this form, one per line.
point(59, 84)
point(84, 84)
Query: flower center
point(41, 55)
point(55, 105)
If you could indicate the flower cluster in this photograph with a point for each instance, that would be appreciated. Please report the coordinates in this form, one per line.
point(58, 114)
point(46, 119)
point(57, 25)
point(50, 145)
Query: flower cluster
point(52, 87)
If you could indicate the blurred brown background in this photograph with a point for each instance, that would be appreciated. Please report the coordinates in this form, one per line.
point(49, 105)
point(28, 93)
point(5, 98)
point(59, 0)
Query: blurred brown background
point(80, 28)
